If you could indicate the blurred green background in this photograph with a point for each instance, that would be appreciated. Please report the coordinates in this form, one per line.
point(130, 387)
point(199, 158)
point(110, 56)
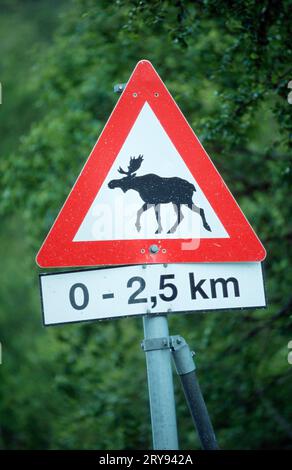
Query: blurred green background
point(228, 65)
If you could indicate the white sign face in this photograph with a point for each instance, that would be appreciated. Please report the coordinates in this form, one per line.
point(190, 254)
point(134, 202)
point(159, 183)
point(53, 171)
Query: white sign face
point(150, 289)
point(113, 214)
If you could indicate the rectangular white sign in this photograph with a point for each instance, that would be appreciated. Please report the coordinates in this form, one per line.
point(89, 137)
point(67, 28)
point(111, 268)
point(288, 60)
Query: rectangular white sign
point(102, 293)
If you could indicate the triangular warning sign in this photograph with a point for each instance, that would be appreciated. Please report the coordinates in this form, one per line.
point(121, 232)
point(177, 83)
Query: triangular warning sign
point(148, 193)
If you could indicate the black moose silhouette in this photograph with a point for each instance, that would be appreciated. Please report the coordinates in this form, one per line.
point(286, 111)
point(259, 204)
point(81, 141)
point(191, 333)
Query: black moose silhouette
point(155, 190)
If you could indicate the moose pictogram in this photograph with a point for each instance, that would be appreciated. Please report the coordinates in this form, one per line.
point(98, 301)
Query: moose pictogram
point(155, 190)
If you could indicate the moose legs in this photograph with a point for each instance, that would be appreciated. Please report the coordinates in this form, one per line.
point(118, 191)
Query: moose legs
point(200, 211)
point(143, 209)
point(194, 208)
point(179, 214)
point(158, 218)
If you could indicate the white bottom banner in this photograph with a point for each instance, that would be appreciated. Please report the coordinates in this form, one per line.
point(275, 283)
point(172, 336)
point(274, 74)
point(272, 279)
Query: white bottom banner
point(98, 294)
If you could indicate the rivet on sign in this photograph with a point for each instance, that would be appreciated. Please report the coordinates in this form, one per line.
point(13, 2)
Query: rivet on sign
point(154, 249)
point(143, 265)
point(142, 251)
point(156, 94)
point(135, 95)
point(163, 250)
point(165, 265)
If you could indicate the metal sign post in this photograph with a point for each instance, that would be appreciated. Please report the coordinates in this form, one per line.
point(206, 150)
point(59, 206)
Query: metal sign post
point(160, 382)
point(159, 347)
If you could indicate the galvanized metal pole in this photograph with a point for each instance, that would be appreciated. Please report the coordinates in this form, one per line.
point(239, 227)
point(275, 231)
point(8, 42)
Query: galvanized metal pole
point(160, 383)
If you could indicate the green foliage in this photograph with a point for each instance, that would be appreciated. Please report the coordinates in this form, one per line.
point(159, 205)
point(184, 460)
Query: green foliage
point(227, 65)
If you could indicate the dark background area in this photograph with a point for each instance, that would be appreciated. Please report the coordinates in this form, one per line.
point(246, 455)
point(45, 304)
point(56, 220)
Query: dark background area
point(228, 65)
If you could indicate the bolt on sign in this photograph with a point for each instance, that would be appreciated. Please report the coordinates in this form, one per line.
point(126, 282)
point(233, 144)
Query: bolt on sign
point(149, 195)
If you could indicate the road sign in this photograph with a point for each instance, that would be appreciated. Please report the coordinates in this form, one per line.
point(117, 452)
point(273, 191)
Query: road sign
point(115, 292)
point(149, 193)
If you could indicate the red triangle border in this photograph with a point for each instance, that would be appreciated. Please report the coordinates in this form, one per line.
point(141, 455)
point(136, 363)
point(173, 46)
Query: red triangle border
point(59, 250)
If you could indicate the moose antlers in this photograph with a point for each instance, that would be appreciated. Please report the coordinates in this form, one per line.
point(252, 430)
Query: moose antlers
point(133, 166)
